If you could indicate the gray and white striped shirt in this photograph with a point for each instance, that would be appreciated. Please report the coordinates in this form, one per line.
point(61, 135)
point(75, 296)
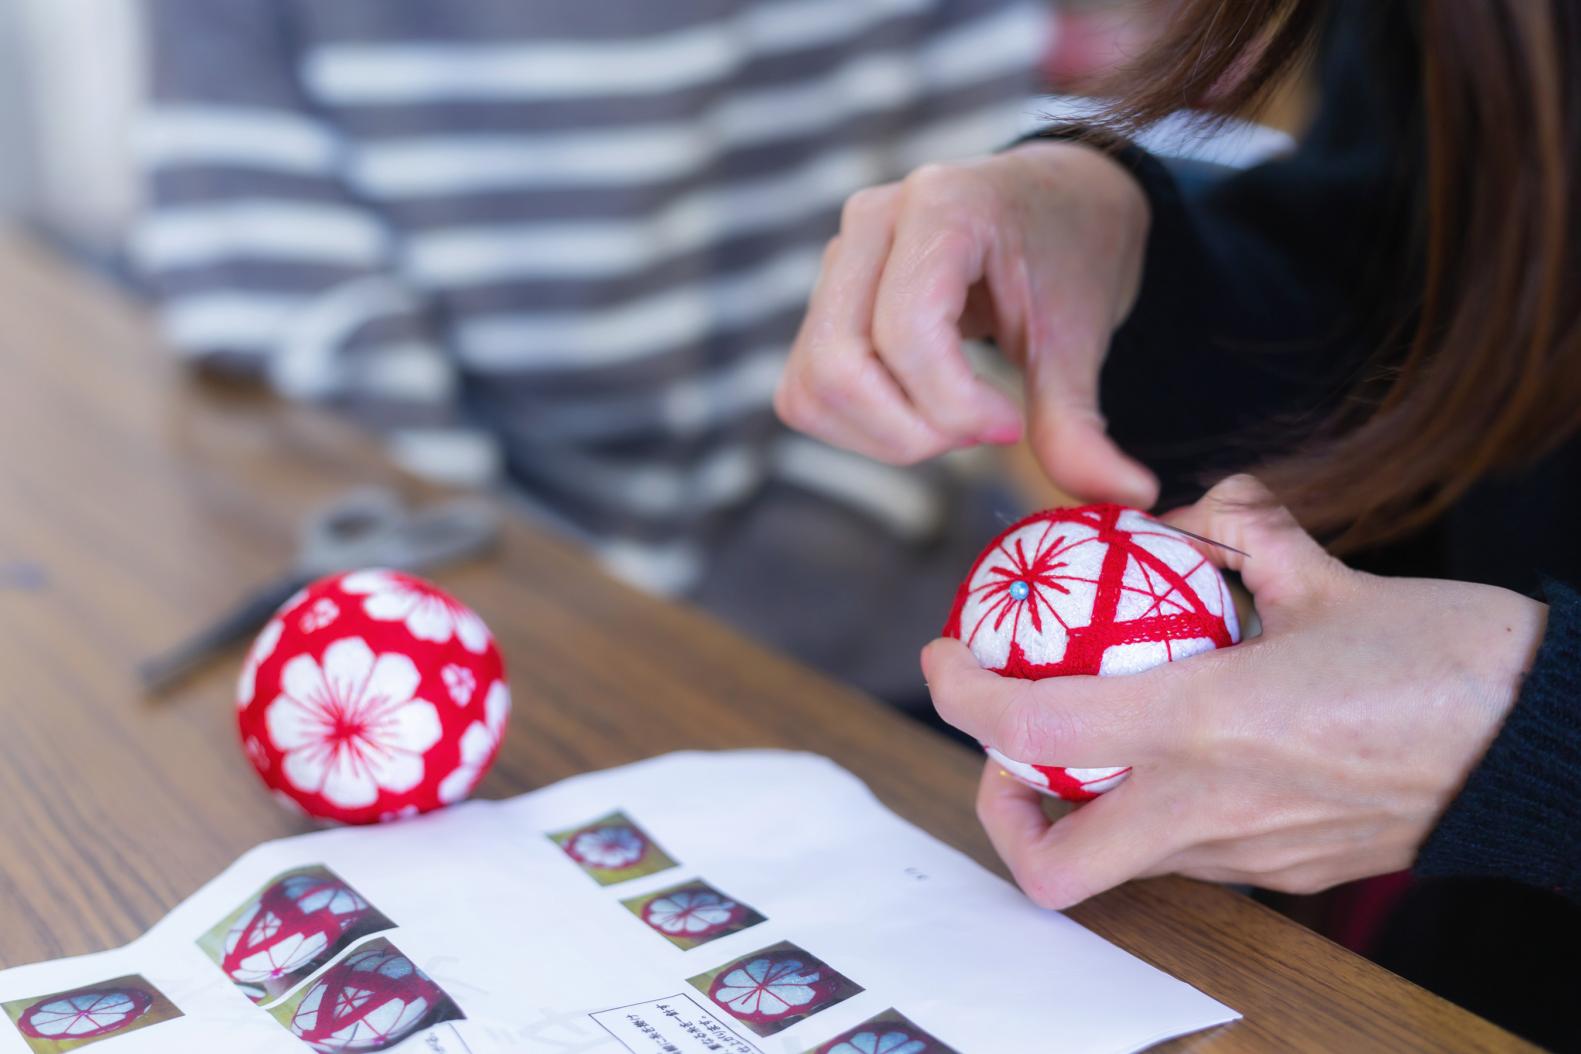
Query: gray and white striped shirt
point(568, 241)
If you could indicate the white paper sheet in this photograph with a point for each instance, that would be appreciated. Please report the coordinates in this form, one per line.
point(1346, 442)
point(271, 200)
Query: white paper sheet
point(863, 916)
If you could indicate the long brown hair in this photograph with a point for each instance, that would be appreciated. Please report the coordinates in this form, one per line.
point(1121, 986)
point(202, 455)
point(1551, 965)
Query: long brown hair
point(1491, 375)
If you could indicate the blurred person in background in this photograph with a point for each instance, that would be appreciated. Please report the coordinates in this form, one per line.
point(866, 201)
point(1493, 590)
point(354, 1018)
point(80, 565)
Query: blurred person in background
point(1095, 38)
point(567, 246)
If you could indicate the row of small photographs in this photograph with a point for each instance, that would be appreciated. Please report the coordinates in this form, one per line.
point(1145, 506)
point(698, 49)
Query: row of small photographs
point(370, 998)
point(768, 990)
point(614, 849)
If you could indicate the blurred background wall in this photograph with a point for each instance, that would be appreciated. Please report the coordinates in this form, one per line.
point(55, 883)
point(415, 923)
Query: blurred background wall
point(70, 80)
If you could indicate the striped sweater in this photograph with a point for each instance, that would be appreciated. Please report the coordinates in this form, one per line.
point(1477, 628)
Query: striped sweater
point(568, 245)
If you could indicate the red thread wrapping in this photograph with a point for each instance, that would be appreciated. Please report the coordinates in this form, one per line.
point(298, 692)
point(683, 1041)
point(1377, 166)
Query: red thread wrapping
point(1093, 590)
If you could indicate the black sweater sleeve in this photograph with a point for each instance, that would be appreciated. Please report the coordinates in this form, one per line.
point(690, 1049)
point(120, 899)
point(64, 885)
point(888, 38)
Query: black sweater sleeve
point(1265, 291)
point(1519, 814)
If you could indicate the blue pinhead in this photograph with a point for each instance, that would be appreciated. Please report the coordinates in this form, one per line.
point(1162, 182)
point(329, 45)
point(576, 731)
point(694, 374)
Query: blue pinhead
point(1019, 590)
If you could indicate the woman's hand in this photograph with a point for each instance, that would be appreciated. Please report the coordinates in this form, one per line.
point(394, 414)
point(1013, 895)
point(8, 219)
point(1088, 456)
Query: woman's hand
point(1040, 248)
point(1324, 750)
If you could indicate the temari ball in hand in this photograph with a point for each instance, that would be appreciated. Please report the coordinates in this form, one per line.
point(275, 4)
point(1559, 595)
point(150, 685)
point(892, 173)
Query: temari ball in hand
point(1099, 590)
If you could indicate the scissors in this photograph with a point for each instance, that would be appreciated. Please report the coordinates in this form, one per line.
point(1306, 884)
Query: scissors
point(367, 527)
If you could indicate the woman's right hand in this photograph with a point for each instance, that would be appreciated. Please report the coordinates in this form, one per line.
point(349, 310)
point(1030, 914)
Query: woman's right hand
point(1040, 248)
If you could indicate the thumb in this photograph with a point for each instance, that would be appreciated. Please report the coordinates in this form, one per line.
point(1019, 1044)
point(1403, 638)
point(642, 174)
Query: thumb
point(1101, 844)
point(1070, 439)
point(1278, 560)
point(1088, 722)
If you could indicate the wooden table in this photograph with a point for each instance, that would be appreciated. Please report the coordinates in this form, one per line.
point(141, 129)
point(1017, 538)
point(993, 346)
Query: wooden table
point(134, 507)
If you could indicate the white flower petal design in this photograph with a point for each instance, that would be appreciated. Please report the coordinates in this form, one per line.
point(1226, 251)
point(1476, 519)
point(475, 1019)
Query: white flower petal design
point(428, 618)
point(478, 743)
point(460, 682)
point(870, 1042)
point(497, 708)
point(323, 612)
point(768, 987)
point(85, 1014)
point(689, 911)
point(353, 728)
point(472, 631)
point(263, 647)
point(609, 848)
point(429, 614)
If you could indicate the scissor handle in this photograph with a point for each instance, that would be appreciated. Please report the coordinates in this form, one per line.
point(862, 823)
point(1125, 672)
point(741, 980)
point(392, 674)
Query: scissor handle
point(372, 527)
point(355, 517)
point(439, 534)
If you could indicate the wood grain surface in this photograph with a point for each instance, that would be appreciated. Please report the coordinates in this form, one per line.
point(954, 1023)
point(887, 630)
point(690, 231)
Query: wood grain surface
point(135, 506)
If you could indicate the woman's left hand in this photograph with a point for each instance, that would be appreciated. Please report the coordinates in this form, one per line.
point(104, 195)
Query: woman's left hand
point(1322, 751)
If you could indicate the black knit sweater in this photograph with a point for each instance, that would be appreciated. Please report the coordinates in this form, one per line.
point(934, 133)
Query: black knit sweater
point(1519, 815)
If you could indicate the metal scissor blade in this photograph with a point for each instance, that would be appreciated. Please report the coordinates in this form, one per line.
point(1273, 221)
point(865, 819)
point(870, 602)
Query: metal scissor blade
point(163, 672)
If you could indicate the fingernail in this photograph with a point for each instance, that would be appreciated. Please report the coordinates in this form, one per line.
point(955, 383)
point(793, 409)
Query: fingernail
point(1001, 435)
point(1139, 486)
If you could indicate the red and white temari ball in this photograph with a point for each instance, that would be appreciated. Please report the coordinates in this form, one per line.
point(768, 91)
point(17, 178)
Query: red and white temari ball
point(372, 695)
point(370, 1000)
point(1100, 590)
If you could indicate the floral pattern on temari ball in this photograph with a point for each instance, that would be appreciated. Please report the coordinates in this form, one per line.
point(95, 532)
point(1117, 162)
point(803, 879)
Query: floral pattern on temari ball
point(612, 848)
point(775, 987)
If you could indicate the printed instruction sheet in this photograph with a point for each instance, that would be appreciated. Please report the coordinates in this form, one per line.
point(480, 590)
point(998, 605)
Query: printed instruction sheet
point(753, 902)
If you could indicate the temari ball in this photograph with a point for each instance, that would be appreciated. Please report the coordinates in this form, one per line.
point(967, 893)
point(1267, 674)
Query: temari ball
point(1098, 589)
point(370, 696)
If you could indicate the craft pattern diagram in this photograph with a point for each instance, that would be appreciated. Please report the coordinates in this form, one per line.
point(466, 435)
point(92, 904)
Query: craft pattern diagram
point(69, 1020)
point(1097, 590)
point(296, 923)
point(373, 999)
point(613, 849)
point(775, 987)
point(692, 913)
